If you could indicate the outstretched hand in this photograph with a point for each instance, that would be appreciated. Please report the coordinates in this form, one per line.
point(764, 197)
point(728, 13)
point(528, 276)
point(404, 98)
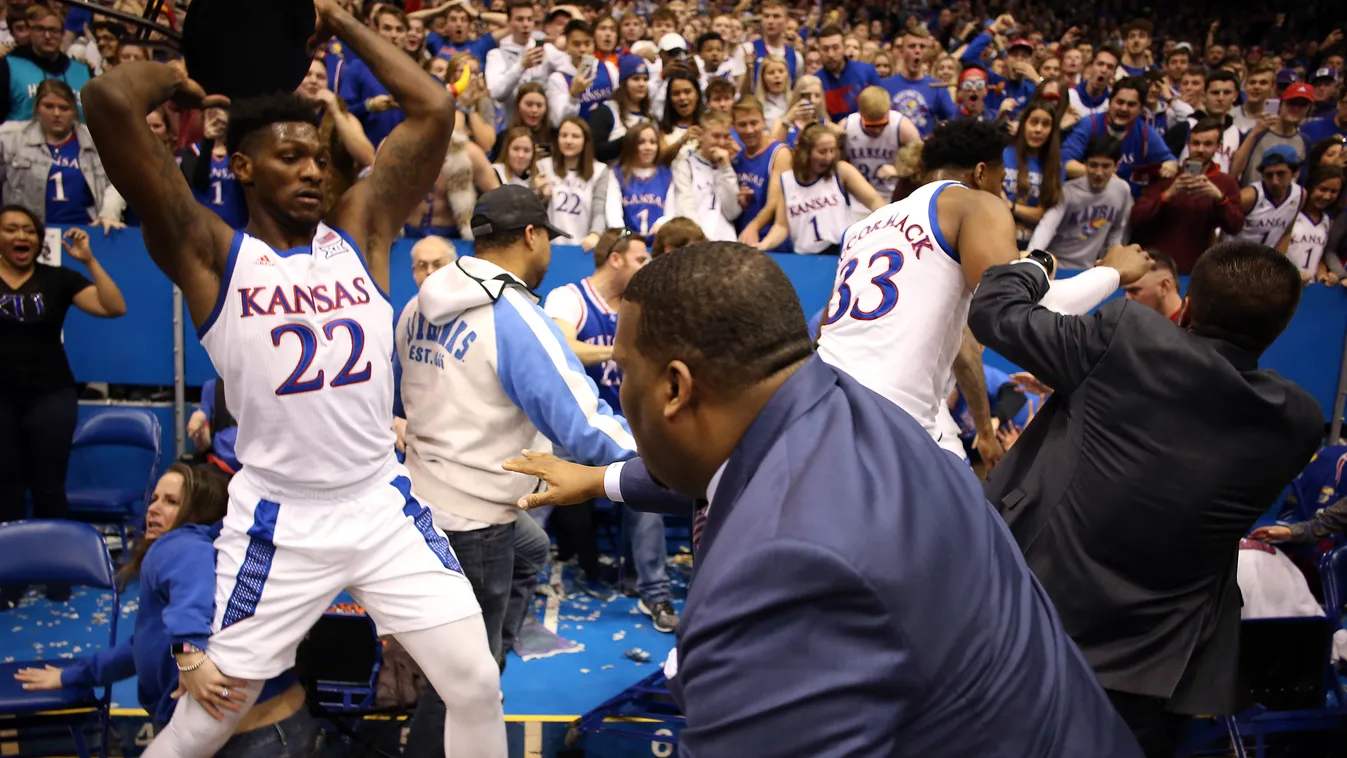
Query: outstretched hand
point(39, 680)
point(1027, 382)
point(1271, 534)
point(567, 483)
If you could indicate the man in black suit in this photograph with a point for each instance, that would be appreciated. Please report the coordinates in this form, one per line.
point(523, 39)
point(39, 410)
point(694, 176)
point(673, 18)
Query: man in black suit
point(1160, 448)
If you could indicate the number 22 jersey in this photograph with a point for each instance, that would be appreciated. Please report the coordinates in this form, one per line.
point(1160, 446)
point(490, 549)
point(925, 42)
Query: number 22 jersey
point(303, 340)
point(899, 305)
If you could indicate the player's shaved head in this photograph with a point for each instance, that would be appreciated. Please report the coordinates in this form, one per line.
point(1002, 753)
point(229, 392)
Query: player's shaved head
point(705, 336)
point(725, 309)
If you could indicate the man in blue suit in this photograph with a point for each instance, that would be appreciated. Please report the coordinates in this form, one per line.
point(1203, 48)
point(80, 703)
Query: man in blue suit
point(854, 594)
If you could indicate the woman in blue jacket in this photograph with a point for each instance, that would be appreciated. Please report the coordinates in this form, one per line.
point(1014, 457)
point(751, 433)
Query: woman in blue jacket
point(176, 565)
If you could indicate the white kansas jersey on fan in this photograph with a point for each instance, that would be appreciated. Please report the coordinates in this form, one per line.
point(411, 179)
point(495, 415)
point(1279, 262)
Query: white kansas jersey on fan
point(899, 306)
point(302, 339)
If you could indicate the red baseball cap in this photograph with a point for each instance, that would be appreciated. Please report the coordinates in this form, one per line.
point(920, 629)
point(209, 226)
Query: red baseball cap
point(1021, 43)
point(1299, 91)
point(972, 72)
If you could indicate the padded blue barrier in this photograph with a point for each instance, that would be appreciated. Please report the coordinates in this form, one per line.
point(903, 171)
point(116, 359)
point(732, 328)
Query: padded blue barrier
point(138, 348)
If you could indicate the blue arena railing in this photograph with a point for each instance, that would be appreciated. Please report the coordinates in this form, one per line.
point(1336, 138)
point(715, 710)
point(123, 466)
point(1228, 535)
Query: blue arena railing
point(138, 348)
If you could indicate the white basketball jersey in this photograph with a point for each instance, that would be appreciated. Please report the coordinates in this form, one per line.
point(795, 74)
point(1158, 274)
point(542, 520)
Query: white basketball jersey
point(899, 306)
point(1307, 242)
point(572, 206)
point(304, 341)
point(868, 154)
point(817, 213)
point(1266, 223)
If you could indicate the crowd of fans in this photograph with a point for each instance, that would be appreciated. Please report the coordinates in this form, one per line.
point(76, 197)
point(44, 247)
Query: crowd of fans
point(774, 123)
point(632, 115)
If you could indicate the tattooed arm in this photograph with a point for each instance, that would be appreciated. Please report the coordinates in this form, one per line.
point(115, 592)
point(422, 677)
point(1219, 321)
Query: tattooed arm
point(187, 241)
point(409, 160)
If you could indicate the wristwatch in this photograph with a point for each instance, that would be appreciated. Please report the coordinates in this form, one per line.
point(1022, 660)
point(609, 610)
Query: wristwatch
point(1044, 259)
point(185, 648)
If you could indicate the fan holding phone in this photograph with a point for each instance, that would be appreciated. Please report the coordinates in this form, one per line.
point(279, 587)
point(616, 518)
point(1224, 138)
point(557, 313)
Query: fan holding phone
point(1178, 216)
point(587, 84)
point(1193, 181)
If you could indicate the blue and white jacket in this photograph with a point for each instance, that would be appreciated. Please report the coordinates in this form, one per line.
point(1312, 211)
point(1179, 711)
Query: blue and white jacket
point(482, 373)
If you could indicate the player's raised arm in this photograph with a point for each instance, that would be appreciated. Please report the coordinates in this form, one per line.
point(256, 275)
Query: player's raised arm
point(409, 160)
point(188, 242)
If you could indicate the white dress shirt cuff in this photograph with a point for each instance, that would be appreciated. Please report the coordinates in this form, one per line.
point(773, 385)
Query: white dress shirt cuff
point(612, 481)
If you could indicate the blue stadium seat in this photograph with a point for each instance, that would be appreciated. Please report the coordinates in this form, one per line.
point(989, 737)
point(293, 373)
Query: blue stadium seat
point(121, 506)
point(1333, 573)
point(53, 551)
point(1318, 486)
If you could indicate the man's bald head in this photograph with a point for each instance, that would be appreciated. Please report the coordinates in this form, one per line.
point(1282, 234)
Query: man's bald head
point(430, 255)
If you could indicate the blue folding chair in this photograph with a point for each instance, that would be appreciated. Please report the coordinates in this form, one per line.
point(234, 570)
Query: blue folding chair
point(61, 552)
point(122, 506)
point(631, 713)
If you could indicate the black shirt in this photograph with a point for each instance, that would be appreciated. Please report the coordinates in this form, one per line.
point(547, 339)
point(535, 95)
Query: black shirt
point(31, 319)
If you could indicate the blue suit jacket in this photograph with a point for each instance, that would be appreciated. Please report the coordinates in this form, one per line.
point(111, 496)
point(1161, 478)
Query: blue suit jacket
point(856, 595)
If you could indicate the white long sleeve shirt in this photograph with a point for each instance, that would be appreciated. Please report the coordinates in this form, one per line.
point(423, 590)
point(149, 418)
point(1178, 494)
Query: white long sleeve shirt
point(707, 195)
point(561, 104)
point(505, 71)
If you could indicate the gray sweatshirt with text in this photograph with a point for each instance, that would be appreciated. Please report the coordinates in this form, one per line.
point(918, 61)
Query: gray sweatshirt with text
point(1081, 228)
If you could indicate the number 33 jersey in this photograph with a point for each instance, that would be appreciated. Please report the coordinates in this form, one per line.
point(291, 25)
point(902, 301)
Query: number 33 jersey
point(303, 340)
point(899, 305)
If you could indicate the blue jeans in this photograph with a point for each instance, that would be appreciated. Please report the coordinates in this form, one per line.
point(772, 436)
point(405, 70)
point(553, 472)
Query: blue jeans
point(487, 557)
point(295, 736)
point(531, 549)
point(649, 551)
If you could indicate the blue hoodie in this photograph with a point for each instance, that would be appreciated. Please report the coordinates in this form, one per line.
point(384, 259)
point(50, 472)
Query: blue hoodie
point(1142, 145)
point(177, 603)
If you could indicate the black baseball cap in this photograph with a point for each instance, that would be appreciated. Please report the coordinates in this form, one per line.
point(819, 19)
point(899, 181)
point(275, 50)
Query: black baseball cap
point(509, 209)
point(246, 48)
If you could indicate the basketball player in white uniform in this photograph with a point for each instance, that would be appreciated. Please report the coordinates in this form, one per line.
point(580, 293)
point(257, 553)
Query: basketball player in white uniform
point(293, 313)
point(897, 318)
point(874, 133)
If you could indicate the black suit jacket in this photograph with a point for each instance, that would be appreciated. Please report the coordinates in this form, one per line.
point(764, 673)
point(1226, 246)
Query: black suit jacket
point(1130, 490)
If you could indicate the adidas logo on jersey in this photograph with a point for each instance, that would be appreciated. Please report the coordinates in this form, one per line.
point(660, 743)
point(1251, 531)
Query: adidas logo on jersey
point(264, 260)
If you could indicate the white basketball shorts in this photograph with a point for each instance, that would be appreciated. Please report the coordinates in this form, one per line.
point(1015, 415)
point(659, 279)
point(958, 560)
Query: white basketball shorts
point(280, 565)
